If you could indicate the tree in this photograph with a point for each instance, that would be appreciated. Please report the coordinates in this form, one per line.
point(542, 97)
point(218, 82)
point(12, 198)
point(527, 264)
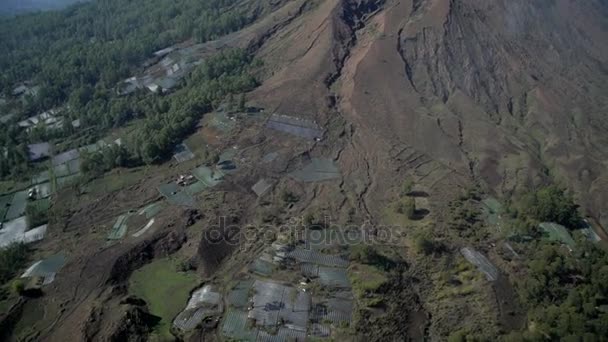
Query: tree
point(289, 197)
point(241, 103)
point(424, 245)
point(18, 287)
point(12, 258)
point(552, 204)
point(409, 207)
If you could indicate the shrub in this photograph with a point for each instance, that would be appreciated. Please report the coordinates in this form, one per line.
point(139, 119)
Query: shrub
point(424, 245)
point(18, 287)
point(289, 197)
point(552, 204)
point(12, 258)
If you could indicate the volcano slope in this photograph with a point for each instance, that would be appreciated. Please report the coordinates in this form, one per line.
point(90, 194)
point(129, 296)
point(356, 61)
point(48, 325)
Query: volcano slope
point(497, 95)
point(500, 92)
point(504, 95)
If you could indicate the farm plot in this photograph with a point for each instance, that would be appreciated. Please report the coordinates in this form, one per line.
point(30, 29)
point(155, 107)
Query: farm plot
point(318, 170)
point(182, 153)
point(46, 268)
point(556, 232)
point(294, 126)
point(481, 262)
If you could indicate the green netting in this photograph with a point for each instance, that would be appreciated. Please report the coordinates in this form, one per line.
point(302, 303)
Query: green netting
point(208, 176)
point(195, 187)
point(45, 267)
point(317, 170)
point(182, 153)
point(261, 267)
point(481, 262)
point(119, 230)
point(73, 166)
point(67, 181)
point(41, 177)
point(169, 189)
point(227, 155)
point(151, 210)
point(269, 157)
point(328, 276)
point(556, 232)
point(493, 204)
point(5, 202)
point(235, 326)
point(18, 204)
point(176, 195)
point(492, 210)
point(184, 199)
point(61, 170)
point(589, 233)
point(239, 296)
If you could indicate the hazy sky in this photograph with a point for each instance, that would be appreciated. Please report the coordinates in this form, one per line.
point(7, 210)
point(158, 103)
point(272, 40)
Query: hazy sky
point(18, 6)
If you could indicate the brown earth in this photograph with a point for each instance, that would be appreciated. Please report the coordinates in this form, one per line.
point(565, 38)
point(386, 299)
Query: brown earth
point(502, 94)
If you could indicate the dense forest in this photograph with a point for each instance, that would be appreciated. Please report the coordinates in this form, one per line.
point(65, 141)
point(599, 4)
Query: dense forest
point(77, 56)
point(565, 291)
point(99, 43)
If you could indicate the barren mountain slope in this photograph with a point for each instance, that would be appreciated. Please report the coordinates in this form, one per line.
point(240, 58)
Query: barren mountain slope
point(497, 91)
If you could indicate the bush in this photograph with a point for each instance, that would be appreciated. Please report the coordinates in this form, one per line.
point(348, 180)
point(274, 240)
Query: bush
point(551, 204)
point(369, 256)
point(18, 287)
point(12, 258)
point(37, 213)
point(407, 187)
point(426, 246)
point(97, 163)
point(407, 206)
point(289, 197)
point(313, 221)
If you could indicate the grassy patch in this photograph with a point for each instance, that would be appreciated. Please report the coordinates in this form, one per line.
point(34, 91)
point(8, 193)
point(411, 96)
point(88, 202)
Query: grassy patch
point(461, 281)
point(366, 280)
point(114, 181)
point(164, 289)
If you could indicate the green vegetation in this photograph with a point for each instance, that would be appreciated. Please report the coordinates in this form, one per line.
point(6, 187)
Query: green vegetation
point(168, 122)
point(550, 204)
point(36, 212)
point(424, 244)
point(289, 197)
point(564, 291)
point(165, 289)
point(18, 287)
point(368, 255)
point(97, 163)
point(12, 259)
point(74, 59)
point(77, 54)
point(366, 281)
